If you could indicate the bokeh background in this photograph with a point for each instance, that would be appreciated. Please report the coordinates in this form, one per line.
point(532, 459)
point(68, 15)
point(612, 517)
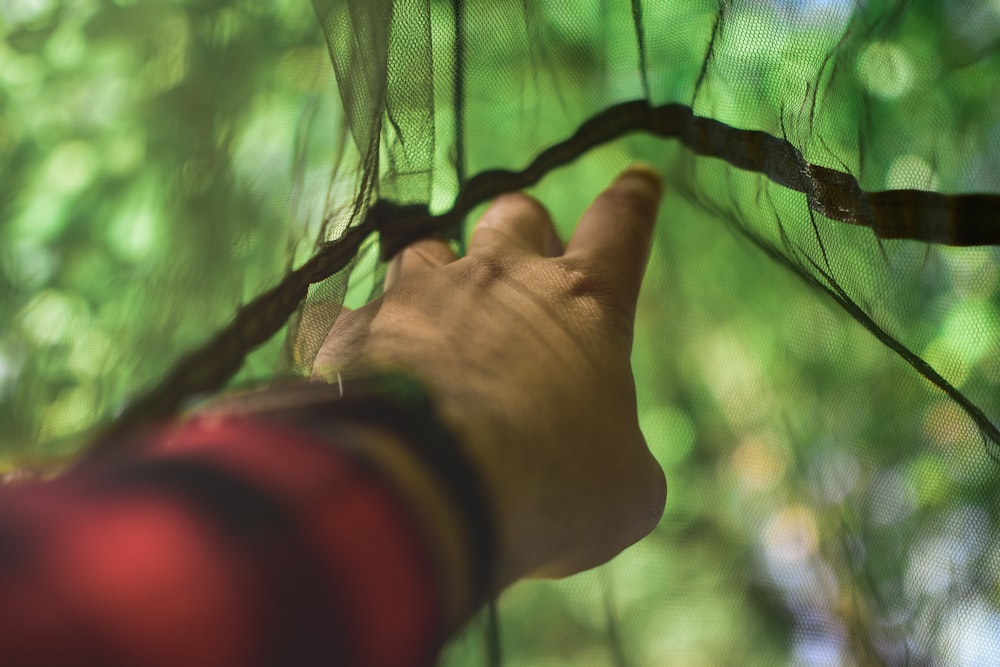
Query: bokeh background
point(162, 163)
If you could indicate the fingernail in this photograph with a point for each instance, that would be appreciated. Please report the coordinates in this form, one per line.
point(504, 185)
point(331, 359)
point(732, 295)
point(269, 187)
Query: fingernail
point(647, 172)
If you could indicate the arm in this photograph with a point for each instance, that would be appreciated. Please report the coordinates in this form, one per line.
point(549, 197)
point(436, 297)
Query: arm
point(253, 535)
point(230, 541)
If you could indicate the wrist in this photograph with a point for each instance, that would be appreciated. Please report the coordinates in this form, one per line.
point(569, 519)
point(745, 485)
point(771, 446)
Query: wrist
point(388, 421)
point(429, 508)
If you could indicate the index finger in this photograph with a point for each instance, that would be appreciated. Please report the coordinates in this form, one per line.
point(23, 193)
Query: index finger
point(617, 230)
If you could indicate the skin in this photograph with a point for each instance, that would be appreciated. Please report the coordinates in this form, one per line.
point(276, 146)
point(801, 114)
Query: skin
point(525, 347)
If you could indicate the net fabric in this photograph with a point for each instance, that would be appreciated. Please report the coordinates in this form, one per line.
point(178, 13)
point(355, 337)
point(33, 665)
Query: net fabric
point(820, 385)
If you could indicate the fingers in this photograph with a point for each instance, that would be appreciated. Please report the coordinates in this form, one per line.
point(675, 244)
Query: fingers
point(417, 258)
point(617, 230)
point(516, 221)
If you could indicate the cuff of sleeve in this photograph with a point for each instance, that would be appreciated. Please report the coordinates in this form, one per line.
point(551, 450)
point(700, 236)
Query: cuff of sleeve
point(370, 560)
point(397, 403)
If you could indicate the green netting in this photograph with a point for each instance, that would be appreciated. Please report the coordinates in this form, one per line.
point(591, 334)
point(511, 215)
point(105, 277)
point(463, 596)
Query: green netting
point(818, 346)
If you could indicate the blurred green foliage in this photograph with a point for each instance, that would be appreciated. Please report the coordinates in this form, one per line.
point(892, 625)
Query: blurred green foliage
point(162, 163)
point(154, 160)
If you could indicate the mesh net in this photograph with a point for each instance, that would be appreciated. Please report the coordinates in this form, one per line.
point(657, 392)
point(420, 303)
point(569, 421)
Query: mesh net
point(818, 340)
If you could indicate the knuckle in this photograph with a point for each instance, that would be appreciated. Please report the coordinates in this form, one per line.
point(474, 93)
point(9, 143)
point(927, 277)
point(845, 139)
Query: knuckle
point(596, 298)
point(487, 271)
point(592, 285)
point(348, 319)
point(583, 282)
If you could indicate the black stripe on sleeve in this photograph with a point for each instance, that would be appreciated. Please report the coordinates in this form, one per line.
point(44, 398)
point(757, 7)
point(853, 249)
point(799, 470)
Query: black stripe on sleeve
point(304, 623)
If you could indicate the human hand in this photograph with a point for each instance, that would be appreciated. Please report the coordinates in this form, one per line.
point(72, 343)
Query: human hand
point(525, 350)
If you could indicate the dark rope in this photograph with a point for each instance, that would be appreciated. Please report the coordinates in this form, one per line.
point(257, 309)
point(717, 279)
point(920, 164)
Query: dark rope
point(962, 220)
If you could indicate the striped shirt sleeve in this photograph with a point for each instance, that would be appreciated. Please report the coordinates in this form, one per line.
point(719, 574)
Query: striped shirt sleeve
point(228, 542)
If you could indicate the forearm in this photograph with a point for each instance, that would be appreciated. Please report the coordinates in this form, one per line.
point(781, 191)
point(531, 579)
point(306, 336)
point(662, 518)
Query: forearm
point(228, 539)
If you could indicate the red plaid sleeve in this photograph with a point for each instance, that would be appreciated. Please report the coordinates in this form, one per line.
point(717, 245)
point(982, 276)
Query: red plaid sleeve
point(229, 542)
